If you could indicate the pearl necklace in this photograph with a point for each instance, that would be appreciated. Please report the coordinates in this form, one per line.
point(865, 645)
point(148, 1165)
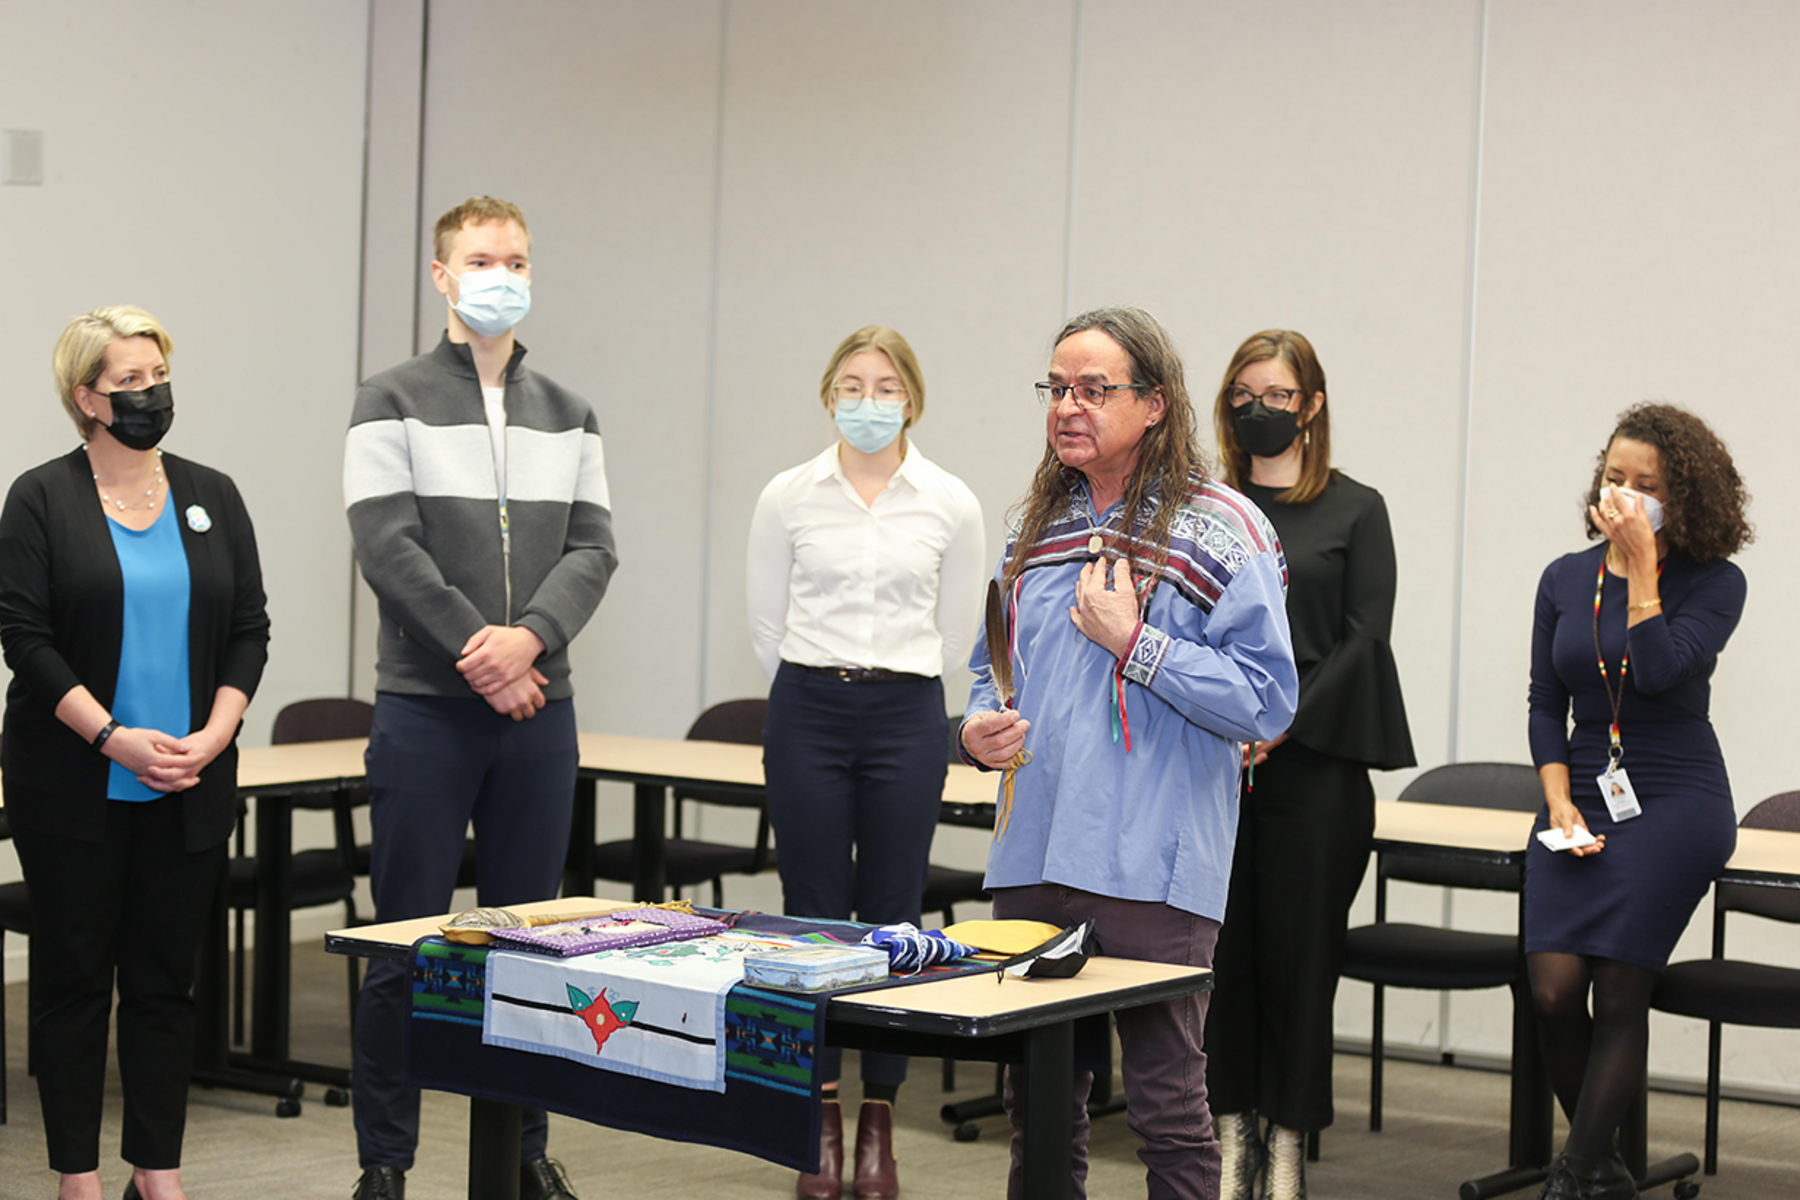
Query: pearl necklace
point(149, 500)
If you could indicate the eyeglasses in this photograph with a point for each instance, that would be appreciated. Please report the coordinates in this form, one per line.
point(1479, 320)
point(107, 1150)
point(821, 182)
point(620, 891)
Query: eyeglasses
point(1088, 396)
point(888, 398)
point(1276, 398)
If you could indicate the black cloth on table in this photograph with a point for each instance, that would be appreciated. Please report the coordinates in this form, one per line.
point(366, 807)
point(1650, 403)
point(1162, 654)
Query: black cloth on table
point(1631, 901)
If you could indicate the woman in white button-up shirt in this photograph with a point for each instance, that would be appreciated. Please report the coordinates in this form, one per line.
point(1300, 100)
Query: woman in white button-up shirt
point(866, 568)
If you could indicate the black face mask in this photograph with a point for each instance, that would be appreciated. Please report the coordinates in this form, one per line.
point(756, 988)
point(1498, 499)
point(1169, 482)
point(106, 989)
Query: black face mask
point(141, 418)
point(1263, 432)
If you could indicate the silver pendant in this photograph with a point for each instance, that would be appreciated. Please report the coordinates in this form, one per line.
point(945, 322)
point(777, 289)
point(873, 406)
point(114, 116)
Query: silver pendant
point(1095, 544)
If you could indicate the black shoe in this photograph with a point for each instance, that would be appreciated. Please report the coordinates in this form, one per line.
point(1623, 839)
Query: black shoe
point(1559, 1181)
point(1572, 1177)
point(544, 1179)
point(381, 1183)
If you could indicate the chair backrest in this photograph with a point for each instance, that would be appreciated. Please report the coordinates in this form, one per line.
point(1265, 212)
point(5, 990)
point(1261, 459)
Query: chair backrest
point(322, 721)
point(1780, 811)
point(1473, 785)
point(737, 721)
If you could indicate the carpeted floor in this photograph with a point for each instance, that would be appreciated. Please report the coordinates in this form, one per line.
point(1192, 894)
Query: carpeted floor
point(1443, 1125)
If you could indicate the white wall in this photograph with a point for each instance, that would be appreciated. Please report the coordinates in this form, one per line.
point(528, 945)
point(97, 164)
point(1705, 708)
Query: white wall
point(1501, 223)
point(203, 161)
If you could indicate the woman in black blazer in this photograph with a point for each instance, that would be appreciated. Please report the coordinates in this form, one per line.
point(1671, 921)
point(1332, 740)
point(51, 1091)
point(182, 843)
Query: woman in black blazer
point(132, 616)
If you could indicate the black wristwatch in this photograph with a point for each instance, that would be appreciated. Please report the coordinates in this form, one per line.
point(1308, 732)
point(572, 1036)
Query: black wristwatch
point(106, 731)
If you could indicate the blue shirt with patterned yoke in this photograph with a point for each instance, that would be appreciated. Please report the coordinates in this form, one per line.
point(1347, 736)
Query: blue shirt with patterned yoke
point(1211, 666)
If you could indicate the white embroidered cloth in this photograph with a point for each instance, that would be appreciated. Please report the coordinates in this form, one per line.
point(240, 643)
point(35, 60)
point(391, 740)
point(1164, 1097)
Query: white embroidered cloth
point(654, 1011)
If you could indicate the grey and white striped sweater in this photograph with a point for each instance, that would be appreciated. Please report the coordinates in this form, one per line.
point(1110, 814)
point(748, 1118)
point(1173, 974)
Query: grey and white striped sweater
point(427, 518)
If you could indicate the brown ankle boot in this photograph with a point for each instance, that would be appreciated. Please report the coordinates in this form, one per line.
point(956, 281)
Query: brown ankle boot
point(876, 1174)
point(828, 1184)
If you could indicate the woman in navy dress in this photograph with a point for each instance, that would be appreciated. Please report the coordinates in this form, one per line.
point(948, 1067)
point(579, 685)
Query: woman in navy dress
point(1626, 638)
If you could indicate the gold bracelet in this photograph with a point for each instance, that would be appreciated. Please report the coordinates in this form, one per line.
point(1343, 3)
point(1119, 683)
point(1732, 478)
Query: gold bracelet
point(1644, 605)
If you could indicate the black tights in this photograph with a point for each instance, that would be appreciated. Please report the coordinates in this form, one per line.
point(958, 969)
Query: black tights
point(1596, 1062)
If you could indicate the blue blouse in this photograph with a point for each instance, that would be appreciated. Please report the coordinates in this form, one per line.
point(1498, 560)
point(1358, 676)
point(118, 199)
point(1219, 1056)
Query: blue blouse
point(1212, 666)
point(153, 656)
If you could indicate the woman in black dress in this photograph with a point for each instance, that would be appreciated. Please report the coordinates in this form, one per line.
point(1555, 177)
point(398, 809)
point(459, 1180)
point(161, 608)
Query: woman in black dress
point(131, 610)
point(1626, 637)
point(1308, 812)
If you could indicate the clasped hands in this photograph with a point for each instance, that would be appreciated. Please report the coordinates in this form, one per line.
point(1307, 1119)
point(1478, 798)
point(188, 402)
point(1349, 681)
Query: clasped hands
point(497, 664)
point(160, 761)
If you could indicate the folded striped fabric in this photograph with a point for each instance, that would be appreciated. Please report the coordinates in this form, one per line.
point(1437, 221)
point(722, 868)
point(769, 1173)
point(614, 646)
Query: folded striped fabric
point(913, 949)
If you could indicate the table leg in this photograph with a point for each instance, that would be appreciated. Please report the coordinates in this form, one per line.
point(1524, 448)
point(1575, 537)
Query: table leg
point(1634, 1144)
point(493, 1150)
point(1532, 1117)
point(1533, 1112)
point(649, 814)
point(1048, 1096)
point(212, 1032)
point(271, 961)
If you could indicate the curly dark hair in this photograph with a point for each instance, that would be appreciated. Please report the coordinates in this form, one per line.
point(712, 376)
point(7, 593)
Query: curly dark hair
point(1704, 517)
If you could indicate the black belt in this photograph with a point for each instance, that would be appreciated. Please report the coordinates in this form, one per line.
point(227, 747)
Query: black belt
point(861, 674)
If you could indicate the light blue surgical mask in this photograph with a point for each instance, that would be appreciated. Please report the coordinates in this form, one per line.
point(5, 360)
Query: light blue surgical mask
point(492, 301)
point(872, 425)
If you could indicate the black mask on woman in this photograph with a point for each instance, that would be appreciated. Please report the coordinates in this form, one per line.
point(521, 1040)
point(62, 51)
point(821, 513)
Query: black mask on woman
point(1262, 431)
point(141, 418)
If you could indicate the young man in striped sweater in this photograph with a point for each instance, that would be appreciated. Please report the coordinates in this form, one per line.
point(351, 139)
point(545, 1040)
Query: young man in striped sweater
point(476, 493)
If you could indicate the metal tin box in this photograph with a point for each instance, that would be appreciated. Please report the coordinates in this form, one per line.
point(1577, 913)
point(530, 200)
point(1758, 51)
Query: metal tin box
point(816, 968)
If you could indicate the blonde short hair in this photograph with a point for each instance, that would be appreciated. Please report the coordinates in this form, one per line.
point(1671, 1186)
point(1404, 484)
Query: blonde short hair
point(476, 210)
point(890, 343)
point(80, 354)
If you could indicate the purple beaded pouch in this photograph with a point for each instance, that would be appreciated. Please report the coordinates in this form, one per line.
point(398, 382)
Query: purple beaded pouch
point(620, 930)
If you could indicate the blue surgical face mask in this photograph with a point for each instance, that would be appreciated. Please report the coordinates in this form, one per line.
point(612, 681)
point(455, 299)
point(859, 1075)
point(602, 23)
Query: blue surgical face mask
point(868, 427)
point(492, 301)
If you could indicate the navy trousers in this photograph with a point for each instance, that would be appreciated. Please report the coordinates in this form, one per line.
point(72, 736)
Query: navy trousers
point(436, 765)
point(855, 775)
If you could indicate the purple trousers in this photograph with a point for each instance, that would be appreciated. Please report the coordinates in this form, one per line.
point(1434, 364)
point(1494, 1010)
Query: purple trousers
point(1161, 1045)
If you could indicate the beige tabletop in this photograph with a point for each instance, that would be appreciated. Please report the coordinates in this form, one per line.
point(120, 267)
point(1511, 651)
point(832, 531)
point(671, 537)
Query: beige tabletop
point(1489, 829)
point(300, 763)
point(672, 758)
point(1767, 852)
point(982, 996)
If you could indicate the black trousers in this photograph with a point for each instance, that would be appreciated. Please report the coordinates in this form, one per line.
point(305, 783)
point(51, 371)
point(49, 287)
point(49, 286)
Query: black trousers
point(131, 908)
point(1304, 835)
point(855, 775)
point(436, 764)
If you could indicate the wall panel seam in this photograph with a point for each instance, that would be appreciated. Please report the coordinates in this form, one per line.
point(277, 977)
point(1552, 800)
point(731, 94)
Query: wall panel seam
point(710, 409)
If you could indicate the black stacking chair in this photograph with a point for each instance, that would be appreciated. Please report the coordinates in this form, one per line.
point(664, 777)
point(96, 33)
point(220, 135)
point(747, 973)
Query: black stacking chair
point(689, 862)
point(1723, 991)
point(320, 876)
point(1395, 954)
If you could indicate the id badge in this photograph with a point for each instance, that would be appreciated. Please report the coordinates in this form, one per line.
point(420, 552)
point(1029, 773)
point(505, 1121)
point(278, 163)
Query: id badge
point(1621, 801)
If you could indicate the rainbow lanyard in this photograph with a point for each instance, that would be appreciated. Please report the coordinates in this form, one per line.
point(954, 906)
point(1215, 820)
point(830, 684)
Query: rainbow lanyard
point(1615, 751)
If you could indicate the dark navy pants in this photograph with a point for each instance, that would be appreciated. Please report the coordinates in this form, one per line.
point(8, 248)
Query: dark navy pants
point(855, 775)
point(436, 764)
